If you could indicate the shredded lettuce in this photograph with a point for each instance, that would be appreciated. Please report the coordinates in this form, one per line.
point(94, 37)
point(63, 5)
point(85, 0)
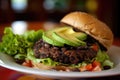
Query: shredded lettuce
point(20, 56)
point(79, 65)
point(108, 63)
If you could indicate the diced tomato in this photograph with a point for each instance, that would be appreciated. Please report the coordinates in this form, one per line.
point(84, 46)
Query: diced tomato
point(96, 66)
point(96, 63)
point(89, 67)
point(95, 47)
point(27, 63)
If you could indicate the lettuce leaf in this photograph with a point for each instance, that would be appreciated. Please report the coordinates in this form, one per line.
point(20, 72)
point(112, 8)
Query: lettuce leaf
point(13, 44)
point(33, 36)
point(17, 45)
point(103, 57)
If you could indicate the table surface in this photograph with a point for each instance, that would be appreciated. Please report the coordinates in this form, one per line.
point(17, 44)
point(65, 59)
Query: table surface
point(7, 74)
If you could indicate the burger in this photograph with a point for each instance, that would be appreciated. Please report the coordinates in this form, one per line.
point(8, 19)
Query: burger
point(81, 44)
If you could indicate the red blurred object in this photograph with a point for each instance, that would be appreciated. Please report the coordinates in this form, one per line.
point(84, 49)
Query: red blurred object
point(7, 74)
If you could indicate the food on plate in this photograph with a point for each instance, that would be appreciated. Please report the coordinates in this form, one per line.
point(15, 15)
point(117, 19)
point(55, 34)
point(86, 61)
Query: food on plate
point(80, 45)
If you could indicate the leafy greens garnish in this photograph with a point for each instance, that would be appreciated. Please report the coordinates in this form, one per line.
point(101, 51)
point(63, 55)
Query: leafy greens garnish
point(16, 45)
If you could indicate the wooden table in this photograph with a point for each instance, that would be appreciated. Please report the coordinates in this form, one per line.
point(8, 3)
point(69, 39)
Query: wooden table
point(6, 74)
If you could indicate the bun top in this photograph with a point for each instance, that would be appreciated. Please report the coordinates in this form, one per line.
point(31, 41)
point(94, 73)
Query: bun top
point(91, 26)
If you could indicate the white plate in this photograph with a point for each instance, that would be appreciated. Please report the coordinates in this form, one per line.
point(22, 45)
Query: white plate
point(114, 53)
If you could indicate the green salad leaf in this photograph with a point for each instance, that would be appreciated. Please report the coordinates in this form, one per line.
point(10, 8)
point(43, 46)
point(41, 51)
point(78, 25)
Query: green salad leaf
point(103, 57)
point(33, 36)
point(17, 45)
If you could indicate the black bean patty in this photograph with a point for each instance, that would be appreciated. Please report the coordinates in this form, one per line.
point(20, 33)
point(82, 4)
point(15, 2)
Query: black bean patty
point(66, 54)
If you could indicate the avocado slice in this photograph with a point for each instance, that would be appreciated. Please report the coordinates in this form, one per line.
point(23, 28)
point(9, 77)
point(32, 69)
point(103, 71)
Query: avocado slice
point(63, 39)
point(69, 31)
point(67, 39)
point(61, 29)
point(80, 35)
point(47, 37)
point(69, 36)
point(64, 35)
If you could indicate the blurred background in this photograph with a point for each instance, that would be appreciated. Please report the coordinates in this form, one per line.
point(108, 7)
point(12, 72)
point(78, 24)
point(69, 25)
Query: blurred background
point(54, 10)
